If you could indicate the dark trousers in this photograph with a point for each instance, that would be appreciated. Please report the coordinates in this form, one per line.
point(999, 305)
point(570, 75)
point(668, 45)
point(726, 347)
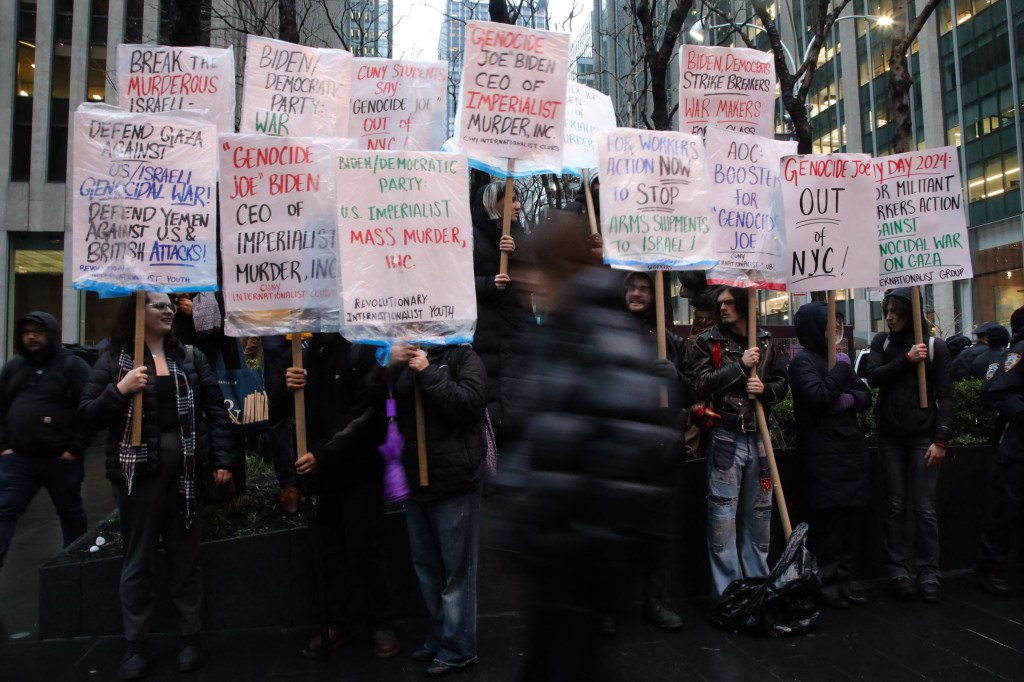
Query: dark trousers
point(909, 481)
point(833, 539)
point(21, 476)
point(1005, 498)
point(355, 575)
point(154, 510)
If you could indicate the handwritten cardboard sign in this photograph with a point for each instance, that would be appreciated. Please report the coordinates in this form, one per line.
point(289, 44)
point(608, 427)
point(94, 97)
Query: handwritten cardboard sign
point(654, 200)
point(513, 92)
point(922, 224)
point(587, 113)
point(746, 211)
point(143, 207)
point(279, 238)
point(728, 87)
point(157, 78)
point(294, 90)
point(398, 105)
point(827, 197)
point(406, 243)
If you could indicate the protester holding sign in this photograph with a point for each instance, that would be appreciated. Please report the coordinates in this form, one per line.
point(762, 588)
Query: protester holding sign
point(833, 453)
point(911, 441)
point(158, 484)
point(739, 481)
point(502, 315)
point(444, 516)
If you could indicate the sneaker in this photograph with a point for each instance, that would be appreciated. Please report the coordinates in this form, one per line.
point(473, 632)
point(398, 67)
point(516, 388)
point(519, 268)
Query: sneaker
point(190, 655)
point(135, 661)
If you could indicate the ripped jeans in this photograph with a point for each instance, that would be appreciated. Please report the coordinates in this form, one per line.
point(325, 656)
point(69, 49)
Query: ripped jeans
point(737, 542)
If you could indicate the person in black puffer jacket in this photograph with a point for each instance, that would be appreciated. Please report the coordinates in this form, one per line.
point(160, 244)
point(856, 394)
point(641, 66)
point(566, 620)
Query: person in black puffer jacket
point(833, 452)
point(42, 443)
point(911, 441)
point(503, 311)
point(185, 437)
point(443, 517)
point(585, 486)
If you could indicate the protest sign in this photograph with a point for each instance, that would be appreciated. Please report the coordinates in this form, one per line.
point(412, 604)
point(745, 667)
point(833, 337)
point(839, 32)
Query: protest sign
point(827, 199)
point(922, 225)
point(513, 92)
point(746, 211)
point(406, 244)
point(158, 78)
point(143, 201)
point(728, 87)
point(294, 90)
point(654, 200)
point(398, 105)
point(278, 243)
point(587, 112)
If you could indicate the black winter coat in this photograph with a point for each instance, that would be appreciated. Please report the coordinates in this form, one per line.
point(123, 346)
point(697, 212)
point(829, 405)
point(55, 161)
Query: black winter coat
point(102, 405)
point(897, 411)
point(453, 393)
point(503, 319)
point(39, 396)
point(831, 444)
point(590, 469)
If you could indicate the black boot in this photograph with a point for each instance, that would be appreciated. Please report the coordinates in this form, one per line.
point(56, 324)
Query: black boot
point(135, 661)
point(656, 614)
point(190, 655)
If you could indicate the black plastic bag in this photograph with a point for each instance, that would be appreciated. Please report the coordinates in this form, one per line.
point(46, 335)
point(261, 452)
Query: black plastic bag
point(781, 604)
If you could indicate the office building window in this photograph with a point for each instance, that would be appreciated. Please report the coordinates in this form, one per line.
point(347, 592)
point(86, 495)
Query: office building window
point(25, 77)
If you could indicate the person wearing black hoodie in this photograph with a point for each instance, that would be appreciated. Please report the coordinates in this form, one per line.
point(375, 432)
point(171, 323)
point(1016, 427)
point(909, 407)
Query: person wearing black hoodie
point(833, 452)
point(41, 440)
point(1003, 391)
point(911, 441)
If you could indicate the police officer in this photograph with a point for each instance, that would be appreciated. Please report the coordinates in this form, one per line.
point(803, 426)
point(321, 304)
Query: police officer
point(1003, 391)
point(962, 364)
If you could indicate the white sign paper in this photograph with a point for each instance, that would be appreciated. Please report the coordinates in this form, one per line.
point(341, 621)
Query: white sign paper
point(398, 105)
point(588, 112)
point(728, 87)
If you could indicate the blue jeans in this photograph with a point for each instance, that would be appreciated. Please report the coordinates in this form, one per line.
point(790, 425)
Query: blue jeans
point(444, 537)
point(21, 476)
point(739, 510)
point(907, 478)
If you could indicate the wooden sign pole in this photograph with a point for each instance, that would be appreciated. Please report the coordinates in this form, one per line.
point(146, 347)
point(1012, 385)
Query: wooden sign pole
point(140, 360)
point(506, 213)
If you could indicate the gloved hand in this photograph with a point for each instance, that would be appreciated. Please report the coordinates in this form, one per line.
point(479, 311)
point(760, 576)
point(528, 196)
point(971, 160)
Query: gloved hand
point(842, 403)
point(704, 417)
point(843, 357)
point(665, 369)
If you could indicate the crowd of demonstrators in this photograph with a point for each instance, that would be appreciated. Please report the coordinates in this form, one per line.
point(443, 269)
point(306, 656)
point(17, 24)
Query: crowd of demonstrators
point(42, 441)
point(911, 443)
point(186, 443)
point(833, 452)
point(739, 481)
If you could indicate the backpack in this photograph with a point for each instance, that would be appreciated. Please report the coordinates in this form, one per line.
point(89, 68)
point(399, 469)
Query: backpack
point(88, 353)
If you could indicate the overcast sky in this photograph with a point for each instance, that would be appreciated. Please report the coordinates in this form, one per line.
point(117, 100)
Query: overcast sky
point(418, 24)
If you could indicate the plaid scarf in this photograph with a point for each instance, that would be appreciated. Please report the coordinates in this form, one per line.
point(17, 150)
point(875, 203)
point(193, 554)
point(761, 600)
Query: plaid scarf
point(129, 456)
point(205, 313)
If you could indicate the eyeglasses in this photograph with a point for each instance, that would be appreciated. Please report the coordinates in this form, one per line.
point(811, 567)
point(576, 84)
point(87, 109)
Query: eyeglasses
point(163, 307)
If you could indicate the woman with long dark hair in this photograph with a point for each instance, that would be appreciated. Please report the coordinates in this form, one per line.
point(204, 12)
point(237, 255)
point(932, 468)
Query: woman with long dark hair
point(157, 484)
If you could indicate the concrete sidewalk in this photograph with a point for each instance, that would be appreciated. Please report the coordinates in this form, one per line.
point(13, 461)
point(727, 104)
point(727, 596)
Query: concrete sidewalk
point(967, 636)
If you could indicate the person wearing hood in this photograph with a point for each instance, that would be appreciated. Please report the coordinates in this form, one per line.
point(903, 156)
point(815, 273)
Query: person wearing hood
point(964, 362)
point(41, 440)
point(579, 204)
point(911, 442)
point(1003, 391)
point(833, 452)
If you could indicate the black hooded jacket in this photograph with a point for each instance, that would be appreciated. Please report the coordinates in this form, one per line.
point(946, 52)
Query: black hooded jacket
point(832, 446)
point(39, 396)
point(897, 410)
